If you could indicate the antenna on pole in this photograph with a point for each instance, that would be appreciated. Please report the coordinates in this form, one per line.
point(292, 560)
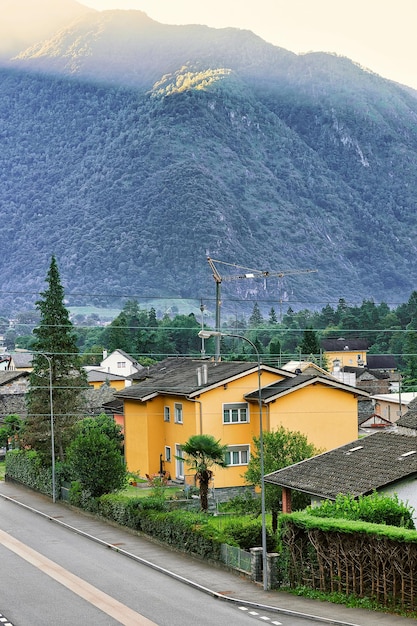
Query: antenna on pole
point(250, 273)
point(202, 309)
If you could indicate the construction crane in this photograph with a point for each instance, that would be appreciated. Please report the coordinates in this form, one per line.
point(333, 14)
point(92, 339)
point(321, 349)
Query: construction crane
point(249, 273)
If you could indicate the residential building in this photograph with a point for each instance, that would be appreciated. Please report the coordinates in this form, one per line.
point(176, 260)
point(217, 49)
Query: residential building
point(391, 406)
point(181, 397)
point(13, 388)
point(341, 352)
point(121, 363)
point(97, 378)
point(21, 360)
point(385, 461)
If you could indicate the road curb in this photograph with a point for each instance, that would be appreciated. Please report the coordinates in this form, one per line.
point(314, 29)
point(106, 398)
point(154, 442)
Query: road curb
point(182, 579)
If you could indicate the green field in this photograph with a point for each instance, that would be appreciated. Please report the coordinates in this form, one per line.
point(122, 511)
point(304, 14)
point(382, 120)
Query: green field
point(169, 306)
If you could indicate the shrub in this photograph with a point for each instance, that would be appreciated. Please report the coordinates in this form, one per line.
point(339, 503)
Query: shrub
point(248, 535)
point(26, 467)
point(95, 461)
point(242, 504)
point(377, 509)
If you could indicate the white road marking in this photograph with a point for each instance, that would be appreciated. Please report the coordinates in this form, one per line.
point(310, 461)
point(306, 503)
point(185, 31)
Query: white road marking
point(120, 612)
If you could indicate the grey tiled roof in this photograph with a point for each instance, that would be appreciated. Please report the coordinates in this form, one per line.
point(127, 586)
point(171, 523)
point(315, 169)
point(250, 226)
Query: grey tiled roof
point(381, 361)
point(97, 376)
point(409, 420)
point(10, 375)
point(22, 359)
point(179, 376)
point(301, 380)
point(340, 344)
point(377, 461)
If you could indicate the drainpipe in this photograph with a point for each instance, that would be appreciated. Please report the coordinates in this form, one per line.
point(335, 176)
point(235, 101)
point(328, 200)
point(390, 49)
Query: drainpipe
point(201, 412)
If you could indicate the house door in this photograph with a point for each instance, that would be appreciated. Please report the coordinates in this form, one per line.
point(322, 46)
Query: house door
point(179, 463)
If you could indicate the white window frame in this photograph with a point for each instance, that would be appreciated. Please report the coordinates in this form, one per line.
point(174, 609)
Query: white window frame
point(234, 410)
point(178, 413)
point(121, 364)
point(237, 455)
point(167, 414)
point(168, 454)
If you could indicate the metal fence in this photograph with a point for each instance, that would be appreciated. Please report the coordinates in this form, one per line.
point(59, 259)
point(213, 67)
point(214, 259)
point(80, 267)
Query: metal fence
point(236, 558)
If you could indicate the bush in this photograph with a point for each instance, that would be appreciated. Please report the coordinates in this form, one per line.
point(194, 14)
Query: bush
point(95, 461)
point(242, 504)
point(25, 466)
point(376, 509)
point(248, 535)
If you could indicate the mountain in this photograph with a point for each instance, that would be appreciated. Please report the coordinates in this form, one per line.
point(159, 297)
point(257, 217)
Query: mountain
point(25, 23)
point(133, 149)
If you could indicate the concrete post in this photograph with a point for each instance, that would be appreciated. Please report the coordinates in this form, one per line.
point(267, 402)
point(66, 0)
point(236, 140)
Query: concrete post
point(272, 564)
point(256, 565)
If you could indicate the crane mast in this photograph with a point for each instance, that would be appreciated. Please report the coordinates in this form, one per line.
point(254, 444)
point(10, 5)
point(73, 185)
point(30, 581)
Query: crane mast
point(249, 273)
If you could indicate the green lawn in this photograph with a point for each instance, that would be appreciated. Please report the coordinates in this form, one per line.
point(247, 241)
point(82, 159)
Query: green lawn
point(2, 469)
point(143, 492)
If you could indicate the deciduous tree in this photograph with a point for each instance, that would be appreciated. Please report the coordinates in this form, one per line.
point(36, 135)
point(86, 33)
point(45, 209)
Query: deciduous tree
point(281, 448)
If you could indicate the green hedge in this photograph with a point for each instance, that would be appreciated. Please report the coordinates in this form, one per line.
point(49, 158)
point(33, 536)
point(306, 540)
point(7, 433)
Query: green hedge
point(25, 466)
point(308, 522)
point(185, 530)
point(190, 532)
point(377, 508)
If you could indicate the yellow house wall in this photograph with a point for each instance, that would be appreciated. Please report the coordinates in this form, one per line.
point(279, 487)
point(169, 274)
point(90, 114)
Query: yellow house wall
point(114, 384)
point(233, 434)
point(346, 357)
point(176, 434)
point(147, 434)
point(136, 437)
point(327, 417)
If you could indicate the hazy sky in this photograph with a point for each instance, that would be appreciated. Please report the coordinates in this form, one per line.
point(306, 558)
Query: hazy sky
point(378, 34)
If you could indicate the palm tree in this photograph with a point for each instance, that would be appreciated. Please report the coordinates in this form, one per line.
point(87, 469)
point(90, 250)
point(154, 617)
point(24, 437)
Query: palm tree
point(201, 453)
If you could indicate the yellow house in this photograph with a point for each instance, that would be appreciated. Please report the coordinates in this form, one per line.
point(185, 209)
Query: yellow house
point(98, 378)
point(343, 352)
point(177, 398)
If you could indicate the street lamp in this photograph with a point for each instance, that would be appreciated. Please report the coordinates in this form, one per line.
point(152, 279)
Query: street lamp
point(206, 334)
point(51, 406)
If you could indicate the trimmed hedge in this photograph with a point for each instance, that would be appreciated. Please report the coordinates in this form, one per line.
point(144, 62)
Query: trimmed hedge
point(184, 530)
point(309, 522)
point(25, 466)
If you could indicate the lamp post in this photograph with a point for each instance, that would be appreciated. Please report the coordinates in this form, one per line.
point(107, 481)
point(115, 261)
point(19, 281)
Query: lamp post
point(206, 334)
point(51, 406)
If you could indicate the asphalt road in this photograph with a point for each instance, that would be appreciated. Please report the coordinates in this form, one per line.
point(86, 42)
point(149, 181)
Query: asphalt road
point(54, 577)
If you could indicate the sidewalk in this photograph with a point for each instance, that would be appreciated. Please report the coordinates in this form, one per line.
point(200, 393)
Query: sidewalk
point(210, 579)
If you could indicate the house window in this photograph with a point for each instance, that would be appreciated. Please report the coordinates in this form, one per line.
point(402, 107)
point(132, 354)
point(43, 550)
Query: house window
point(237, 455)
point(121, 364)
point(167, 454)
point(178, 413)
point(167, 415)
point(235, 413)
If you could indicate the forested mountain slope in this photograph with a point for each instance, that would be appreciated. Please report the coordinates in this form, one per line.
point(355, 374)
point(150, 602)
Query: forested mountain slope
point(132, 149)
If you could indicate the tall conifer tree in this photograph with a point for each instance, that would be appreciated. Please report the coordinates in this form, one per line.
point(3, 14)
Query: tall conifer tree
point(56, 339)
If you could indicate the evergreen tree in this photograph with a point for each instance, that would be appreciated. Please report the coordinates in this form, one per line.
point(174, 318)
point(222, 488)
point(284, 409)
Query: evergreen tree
point(56, 367)
point(273, 316)
point(256, 318)
point(310, 345)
